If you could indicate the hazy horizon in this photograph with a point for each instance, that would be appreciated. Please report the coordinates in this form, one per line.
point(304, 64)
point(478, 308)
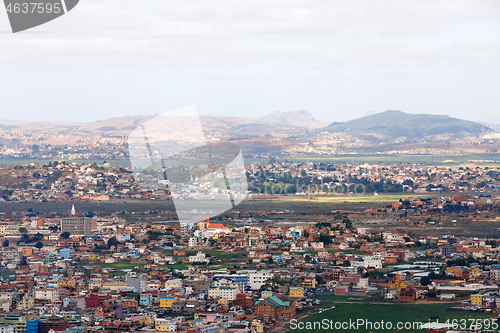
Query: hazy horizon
point(328, 122)
point(338, 61)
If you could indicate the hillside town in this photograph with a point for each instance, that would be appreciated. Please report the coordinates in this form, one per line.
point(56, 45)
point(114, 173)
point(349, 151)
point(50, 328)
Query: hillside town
point(80, 273)
point(102, 182)
point(250, 166)
point(132, 269)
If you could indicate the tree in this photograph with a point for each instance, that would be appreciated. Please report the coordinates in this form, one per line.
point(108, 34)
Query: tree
point(112, 242)
point(25, 238)
point(408, 182)
point(323, 224)
point(348, 223)
point(425, 280)
point(38, 236)
point(39, 245)
point(6, 243)
point(65, 235)
point(23, 230)
point(23, 261)
point(325, 239)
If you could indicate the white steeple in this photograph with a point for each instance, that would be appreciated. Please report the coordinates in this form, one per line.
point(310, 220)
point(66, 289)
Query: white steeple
point(73, 212)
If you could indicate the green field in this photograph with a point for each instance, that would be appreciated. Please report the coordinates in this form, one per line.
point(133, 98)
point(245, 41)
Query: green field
point(318, 204)
point(13, 161)
point(119, 267)
point(221, 254)
point(426, 159)
point(346, 310)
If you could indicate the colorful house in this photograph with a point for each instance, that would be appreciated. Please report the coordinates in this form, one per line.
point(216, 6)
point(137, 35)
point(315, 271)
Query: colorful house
point(67, 283)
point(400, 285)
point(257, 326)
point(476, 300)
point(146, 299)
point(167, 302)
point(296, 292)
point(165, 325)
point(65, 253)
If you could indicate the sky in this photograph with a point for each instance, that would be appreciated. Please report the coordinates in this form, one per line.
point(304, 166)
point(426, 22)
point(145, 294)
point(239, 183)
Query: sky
point(337, 59)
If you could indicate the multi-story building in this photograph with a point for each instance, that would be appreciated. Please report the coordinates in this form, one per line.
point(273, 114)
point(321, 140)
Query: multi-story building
point(78, 225)
point(227, 293)
point(11, 254)
point(239, 278)
point(146, 299)
point(308, 283)
point(33, 325)
point(65, 253)
point(495, 273)
point(165, 325)
point(199, 257)
point(137, 281)
point(296, 292)
point(3, 227)
point(54, 323)
point(50, 294)
point(448, 250)
point(476, 300)
point(239, 286)
point(337, 274)
point(167, 302)
point(193, 242)
point(258, 279)
point(274, 307)
point(7, 328)
point(456, 271)
point(14, 323)
point(370, 262)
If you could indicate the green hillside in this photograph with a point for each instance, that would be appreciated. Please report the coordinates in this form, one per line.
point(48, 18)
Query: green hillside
point(396, 124)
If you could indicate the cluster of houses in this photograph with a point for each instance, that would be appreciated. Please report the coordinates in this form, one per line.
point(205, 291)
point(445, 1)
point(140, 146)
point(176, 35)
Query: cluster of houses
point(102, 182)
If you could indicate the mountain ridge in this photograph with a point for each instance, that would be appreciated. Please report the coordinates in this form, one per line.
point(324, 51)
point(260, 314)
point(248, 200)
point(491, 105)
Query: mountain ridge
point(394, 124)
point(299, 118)
point(389, 124)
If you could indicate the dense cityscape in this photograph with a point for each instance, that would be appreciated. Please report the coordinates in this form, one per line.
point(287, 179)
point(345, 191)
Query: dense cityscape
point(249, 270)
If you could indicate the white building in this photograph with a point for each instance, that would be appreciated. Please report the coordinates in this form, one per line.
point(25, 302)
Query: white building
point(165, 325)
point(50, 294)
point(370, 262)
point(240, 287)
point(258, 279)
point(193, 242)
point(227, 293)
point(8, 328)
point(199, 257)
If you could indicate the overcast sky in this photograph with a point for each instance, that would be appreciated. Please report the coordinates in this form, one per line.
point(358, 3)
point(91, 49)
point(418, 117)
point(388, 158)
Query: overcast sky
point(336, 59)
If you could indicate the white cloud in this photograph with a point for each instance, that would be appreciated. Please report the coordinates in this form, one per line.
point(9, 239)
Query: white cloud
point(289, 42)
point(309, 34)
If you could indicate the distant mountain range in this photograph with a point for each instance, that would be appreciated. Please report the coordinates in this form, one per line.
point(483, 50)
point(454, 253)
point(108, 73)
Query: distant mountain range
point(274, 122)
point(300, 118)
point(397, 124)
point(373, 127)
